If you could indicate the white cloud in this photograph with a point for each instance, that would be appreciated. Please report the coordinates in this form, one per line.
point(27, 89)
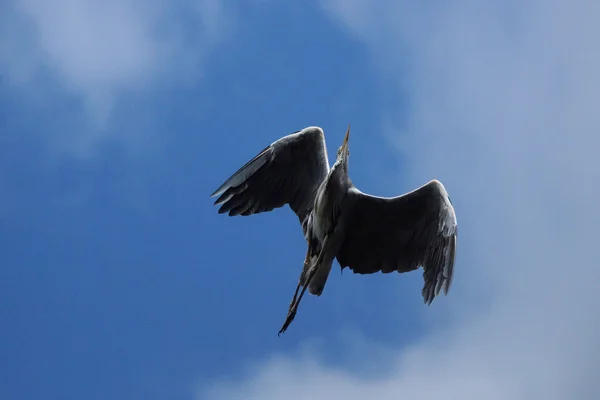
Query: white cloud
point(503, 109)
point(97, 50)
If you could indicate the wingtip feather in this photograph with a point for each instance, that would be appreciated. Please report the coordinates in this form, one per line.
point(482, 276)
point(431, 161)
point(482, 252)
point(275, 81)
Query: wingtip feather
point(449, 270)
point(217, 192)
point(244, 172)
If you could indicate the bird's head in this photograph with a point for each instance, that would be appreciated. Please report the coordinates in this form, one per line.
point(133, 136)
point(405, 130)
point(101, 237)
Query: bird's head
point(344, 152)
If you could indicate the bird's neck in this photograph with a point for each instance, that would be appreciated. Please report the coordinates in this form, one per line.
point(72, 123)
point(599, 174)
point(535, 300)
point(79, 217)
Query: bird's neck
point(338, 166)
point(338, 175)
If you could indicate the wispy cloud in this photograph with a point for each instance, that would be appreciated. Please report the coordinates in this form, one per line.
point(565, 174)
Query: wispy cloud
point(502, 109)
point(97, 50)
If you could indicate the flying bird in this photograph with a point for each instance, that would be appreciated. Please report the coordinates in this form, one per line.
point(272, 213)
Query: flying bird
point(365, 233)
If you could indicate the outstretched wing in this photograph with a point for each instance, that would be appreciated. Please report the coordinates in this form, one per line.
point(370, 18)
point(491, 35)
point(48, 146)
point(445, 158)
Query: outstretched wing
point(288, 171)
point(401, 234)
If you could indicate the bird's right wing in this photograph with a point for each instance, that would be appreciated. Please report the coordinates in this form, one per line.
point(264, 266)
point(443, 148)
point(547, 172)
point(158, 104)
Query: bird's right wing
point(288, 171)
point(401, 234)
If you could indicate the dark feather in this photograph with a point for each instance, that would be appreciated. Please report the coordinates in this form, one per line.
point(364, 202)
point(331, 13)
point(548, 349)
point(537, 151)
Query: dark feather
point(288, 171)
point(402, 234)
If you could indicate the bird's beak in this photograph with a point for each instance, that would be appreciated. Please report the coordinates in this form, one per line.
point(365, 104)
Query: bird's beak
point(345, 143)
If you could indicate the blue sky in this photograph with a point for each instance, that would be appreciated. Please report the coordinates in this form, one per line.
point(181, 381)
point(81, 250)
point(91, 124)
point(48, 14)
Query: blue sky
point(119, 280)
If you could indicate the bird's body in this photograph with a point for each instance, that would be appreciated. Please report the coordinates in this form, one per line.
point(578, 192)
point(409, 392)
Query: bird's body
point(325, 223)
point(365, 233)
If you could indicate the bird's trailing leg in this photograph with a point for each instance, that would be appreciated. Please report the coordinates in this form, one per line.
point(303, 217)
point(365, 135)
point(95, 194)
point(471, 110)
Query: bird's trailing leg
point(296, 301)
point(305, 269)
point(292, 309)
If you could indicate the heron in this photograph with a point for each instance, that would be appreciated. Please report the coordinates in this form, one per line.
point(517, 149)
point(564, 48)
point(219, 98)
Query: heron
point(365, 233)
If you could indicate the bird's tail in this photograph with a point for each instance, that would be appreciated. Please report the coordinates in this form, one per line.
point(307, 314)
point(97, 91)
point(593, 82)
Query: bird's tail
point(317, 284)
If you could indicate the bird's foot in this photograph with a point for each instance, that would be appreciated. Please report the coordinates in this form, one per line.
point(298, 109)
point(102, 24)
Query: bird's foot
point(288, 320)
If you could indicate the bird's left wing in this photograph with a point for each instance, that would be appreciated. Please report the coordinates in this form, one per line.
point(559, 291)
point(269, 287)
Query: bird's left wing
point(401, 234)
point(288, 171)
